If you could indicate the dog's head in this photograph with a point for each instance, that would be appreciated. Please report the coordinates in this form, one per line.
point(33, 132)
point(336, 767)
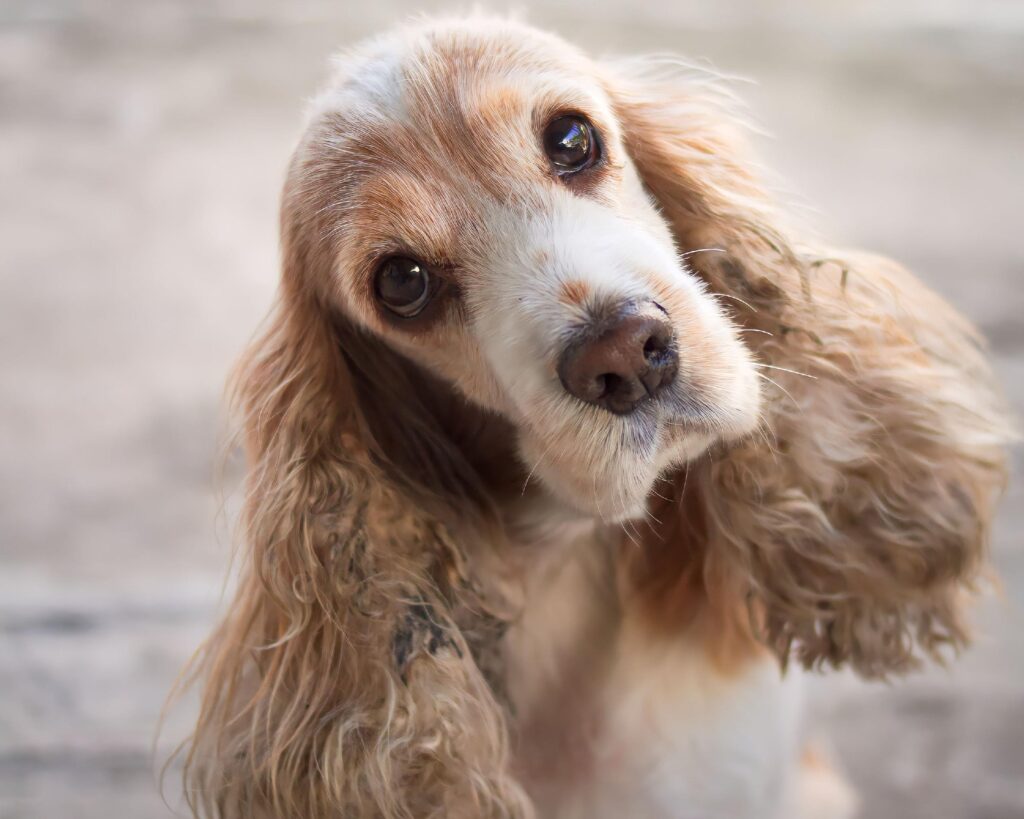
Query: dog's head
point(469, 196)
point(485, 230)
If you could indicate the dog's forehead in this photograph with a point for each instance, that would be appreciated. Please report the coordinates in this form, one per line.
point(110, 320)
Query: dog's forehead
point(466, 95)
point(391, 72)
point(419, 137)
point(431, 142)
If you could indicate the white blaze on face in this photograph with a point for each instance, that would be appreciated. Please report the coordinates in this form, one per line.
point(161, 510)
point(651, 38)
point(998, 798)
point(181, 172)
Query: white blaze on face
point(542, 283)
point(545, 277)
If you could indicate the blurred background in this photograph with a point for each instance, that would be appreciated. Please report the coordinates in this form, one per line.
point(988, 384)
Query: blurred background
point(142, 145)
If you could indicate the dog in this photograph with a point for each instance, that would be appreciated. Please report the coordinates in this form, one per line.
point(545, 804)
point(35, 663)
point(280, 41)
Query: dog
point(567, 457)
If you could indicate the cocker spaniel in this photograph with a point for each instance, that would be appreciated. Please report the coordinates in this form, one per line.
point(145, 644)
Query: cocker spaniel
point(561, 446)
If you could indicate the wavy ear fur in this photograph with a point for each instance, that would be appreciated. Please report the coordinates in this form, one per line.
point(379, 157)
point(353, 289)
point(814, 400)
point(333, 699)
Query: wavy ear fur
point(856, 522)
point(353, 606)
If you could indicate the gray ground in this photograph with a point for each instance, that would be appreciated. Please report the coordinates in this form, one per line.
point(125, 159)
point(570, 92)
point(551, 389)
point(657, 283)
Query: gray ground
point(141, 150)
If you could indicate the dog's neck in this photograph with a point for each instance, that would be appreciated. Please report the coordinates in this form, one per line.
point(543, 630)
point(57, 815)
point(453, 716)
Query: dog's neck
point(528, 512)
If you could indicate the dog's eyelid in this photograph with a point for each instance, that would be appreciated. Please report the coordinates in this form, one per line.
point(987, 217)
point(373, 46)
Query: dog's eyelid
point(399, 249)
point(545, 116)
point(599, 116)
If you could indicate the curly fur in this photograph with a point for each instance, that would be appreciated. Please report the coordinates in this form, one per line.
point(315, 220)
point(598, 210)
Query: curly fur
point(861, 519)
point(313, 676)
point(359, 670)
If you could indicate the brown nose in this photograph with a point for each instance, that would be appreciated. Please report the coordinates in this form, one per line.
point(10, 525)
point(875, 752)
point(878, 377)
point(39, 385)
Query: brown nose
point(622, 366)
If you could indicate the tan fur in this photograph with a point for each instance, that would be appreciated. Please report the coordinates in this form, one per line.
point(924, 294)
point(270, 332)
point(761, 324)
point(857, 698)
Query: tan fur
point(574, 292)
point(357, 673)
point(316, 676)
point(860, 518)
point(672, 579)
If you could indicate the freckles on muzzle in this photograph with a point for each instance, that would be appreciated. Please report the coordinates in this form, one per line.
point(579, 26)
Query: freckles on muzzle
point(621, 361)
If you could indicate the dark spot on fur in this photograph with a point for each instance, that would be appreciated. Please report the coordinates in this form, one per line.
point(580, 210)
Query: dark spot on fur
point(401, 648)
point(420, 633)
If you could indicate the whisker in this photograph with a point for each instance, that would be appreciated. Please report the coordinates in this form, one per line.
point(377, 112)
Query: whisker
point(530, 474)
point(635, 523)
point(657, 494)
point(765, 426)
point(629, 534)
point(702, 250)
point(783, 369)
point(686, 480)
point(746, 304)
point(597, 502)
point(762, 430)
point(776, 384)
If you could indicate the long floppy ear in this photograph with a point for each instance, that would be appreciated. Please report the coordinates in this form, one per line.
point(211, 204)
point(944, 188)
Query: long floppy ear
point(322, 687)
point(855, 524)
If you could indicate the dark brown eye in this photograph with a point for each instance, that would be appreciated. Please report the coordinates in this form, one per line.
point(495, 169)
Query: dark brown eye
point(571, 144)
point(403, 285)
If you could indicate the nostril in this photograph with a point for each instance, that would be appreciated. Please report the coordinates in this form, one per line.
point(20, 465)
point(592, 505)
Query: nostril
point(656, 346)
point(610, 383)
point(652, 347)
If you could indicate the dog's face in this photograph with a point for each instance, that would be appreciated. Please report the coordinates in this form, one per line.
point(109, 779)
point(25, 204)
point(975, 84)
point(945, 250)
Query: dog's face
point(482, 215)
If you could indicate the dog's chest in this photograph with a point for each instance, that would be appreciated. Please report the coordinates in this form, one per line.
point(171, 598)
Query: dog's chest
point(610, 722)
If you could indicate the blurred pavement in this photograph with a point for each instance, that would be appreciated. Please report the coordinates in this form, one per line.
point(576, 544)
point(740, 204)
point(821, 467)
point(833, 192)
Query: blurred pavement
point(142, 146)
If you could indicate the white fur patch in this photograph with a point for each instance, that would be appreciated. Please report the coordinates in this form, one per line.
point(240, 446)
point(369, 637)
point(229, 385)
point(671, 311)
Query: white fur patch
point(616, 723)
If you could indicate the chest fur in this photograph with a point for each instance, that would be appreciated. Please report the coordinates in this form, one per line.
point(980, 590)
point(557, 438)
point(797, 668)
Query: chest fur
point(613, 720)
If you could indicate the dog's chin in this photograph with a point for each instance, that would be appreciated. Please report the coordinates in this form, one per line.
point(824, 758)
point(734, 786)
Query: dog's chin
point(606, 468)
point(617, 487)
